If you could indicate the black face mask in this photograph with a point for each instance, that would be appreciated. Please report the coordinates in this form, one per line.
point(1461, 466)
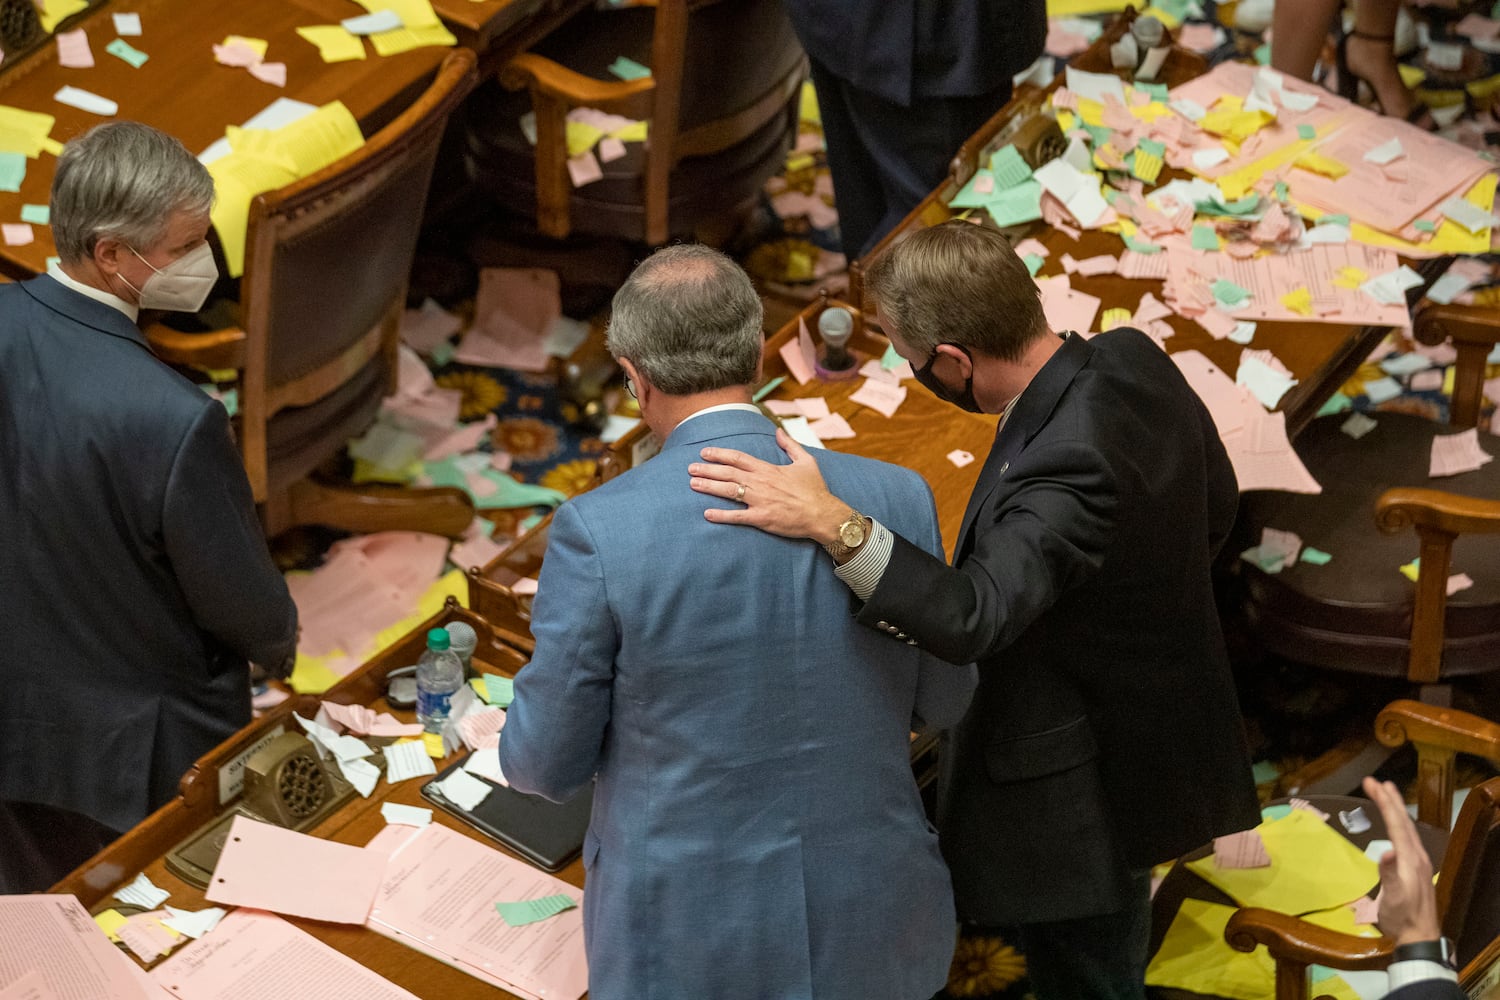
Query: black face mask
point(961, 398)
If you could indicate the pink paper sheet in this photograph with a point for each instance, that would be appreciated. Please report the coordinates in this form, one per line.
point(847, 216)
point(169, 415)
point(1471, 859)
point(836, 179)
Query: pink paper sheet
point(268, 868)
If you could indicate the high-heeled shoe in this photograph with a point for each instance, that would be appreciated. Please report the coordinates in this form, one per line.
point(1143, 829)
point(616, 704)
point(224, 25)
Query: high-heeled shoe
point(1420, 114)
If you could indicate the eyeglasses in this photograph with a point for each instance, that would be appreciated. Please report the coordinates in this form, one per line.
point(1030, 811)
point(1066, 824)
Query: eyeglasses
point(630, 387)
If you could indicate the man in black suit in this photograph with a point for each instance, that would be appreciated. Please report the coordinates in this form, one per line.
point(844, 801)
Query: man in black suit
point(135, 577)
point(1423, 965)
point(1105, 736)
point(900, 86)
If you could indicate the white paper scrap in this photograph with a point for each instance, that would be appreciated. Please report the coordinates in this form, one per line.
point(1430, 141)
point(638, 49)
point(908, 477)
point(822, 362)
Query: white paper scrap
point(397, 814)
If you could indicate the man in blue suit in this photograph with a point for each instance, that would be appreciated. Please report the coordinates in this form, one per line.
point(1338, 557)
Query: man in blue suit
point(756, 831)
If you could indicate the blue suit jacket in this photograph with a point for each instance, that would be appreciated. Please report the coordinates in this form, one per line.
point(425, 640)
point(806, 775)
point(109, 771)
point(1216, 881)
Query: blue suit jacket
point(134, 576)
point(756, 832)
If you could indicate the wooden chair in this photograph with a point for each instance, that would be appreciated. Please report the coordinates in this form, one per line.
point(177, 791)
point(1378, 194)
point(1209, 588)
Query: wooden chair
point(326, 268)
point(1358, 615)
point(722, 102)
point(1439, 735)
point(1468, 907)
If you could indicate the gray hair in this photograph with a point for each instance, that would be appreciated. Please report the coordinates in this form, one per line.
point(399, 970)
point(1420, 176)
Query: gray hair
point(123, 180)
point(689, 320)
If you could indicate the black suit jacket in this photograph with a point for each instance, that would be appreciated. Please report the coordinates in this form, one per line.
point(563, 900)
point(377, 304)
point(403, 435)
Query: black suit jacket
point(1105, 733)
point(905, 49)
point(134, 578)
point(1429, 989)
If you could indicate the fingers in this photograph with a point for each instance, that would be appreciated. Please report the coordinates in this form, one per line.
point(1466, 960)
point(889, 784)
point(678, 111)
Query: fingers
point(1399, 827)
point(794, 451)
point(716, 488)
point(726, 460)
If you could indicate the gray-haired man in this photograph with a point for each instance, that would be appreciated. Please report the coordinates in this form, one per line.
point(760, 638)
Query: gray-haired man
point(135, 578)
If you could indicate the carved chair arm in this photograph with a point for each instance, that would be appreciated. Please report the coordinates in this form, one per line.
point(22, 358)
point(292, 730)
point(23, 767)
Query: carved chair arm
point(215, 349)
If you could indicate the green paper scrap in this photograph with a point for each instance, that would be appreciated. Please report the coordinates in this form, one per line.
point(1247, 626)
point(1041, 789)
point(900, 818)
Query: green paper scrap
point(1337, 403)
point(1228, 293)
point(499, 690)
point(487, 526)
point(1141, 246)
point(1204, 238)
point(1270, 813)
point(530, 521)
point(1022, 203)
point(1315, 556)
point(1158, 91)
point(39, 215)
point(442, 353)
point(1008, 168)
point(967, 197)
point(1157, 149)
point(1099, 134)
point(1321, 973)
point(1281, 190)
point(1241, 206)
point(1425, 226)
point(120, 47)
point(531, 910)
point(628, 69)
point(1263, 771)
point(1263, 55)
point(768, 388)
point(1306, 132)
point(507, 493)
point(1333, 220)
point(1033, 263)
point(12, 171)
point(890, 359)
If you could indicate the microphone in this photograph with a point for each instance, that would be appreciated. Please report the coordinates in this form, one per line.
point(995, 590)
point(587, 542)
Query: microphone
point(462, 639)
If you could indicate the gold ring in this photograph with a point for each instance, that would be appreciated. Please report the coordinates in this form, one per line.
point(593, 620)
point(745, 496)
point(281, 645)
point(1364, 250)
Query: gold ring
point(739, 494)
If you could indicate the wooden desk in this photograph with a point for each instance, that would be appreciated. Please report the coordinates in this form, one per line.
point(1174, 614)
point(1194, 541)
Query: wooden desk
point(500, 29)
point(183, 91)
point(144, 848)
point(1322, 356)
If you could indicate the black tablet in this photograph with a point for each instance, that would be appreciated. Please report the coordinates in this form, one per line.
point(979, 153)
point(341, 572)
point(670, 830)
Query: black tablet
point(545, 833)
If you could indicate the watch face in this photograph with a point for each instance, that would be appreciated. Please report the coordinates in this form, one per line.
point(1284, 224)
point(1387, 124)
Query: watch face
point(852, 533)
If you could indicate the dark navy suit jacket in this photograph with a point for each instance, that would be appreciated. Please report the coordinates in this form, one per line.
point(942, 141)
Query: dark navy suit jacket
point(134, 576)
point(906, 49)
point(1105, 734)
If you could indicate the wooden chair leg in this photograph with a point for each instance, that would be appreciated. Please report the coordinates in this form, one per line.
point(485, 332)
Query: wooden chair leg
point(369, 508)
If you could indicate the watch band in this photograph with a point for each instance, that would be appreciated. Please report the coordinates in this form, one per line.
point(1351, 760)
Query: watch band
point(1440, 951)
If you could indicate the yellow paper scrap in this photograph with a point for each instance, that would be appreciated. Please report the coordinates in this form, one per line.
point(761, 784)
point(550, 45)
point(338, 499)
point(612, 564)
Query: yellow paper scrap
point(390, 43)
point(808, 109)
point(239, 177)
point(1320, 163)
point(581, 137)
point(799, 161)
point(634, 132)
point(1411, 570)
point(1483, 90)
point(1146, 166)
point(110, 922)
point(1113, 318)
point(53, 12)
point(335, 44)
point(1299, 301)
point(256, 45)
point(1412, 76)
point(24, 131)
point(1167, 17)
point(434, 744)
point(1351, 277)
point(1194, 956)
point(1439, 98)
point(314, 141)
point(1066, 121)
point(413, 13)
point(1312, 868)
point(1448, 376)
point(311, 675)
point(1092, 112)
point(1078, 8)
point(259, 142)
point(369, 472)
point(1235, 125)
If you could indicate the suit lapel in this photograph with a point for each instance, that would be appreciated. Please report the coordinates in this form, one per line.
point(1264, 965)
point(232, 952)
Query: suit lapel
point(1031, 414)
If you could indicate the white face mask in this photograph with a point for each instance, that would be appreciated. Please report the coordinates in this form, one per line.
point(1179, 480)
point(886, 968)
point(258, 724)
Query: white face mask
point(181, 286)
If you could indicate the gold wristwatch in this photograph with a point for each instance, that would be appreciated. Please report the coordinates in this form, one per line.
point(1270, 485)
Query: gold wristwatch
point(851, 535)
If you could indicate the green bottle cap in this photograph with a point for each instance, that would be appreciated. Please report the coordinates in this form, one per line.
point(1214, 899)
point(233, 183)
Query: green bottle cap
point(437, 638)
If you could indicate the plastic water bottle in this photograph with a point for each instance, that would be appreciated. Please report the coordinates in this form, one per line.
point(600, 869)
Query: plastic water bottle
point(440, 673)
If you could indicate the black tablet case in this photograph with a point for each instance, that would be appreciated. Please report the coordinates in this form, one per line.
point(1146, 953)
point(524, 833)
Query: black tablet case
point(545, 833)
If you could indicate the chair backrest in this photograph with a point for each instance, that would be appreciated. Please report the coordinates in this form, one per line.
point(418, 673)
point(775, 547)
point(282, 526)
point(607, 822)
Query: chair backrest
point(326, 269)
point(1466, 888)
point(1440, 517)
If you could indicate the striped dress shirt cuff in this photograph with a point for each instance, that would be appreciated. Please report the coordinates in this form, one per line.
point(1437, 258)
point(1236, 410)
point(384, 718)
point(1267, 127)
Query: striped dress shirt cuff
point(863, 572)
